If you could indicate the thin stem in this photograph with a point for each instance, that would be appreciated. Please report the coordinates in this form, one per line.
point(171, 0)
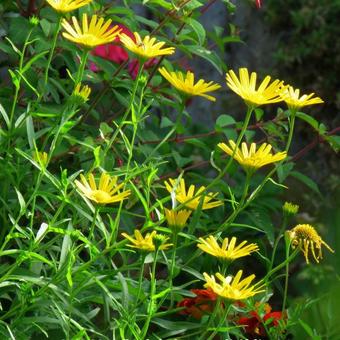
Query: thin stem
point(223, 319)
point(150, 308)
point(172, 268)
point(286, 276)
point(211, 318)
point(291, 129)
point(96, 212)
point(50, 56)
point(282, 229)
point(82, 66)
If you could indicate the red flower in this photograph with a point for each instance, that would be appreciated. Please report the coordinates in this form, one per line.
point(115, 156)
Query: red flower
point(258, 3)
point(254, 324)
point(200, 305)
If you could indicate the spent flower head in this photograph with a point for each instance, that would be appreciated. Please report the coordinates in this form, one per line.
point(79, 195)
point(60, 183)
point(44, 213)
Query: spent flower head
point(307, 239)
point(252, 159)
point(90, 35)
point(65, 6)
point(228, 250)
point(189, 198)
point(146, 48)
point(186, 83)
point(107, 191)
point(245, 87)
point(147, 243)
point(293, 100)
point(232, 288)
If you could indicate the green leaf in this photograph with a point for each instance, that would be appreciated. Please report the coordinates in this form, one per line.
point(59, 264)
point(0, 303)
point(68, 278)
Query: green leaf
point(208, 55)
point(4, 115)
point(306, 180)
point(30, 132)
point(308, 119)
point(224, 120)
point(198, 29)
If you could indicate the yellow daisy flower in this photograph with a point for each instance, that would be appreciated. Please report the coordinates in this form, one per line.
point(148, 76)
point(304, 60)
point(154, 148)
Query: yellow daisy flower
point(145, 243)
point(307, 238)
point(244, 86)
point(186, 197)
point(228, 250)
point(64, 6)
point(106, 192)
point(82, 93)
point(146, 48)
point(97, 33)
point(232, 288)
point(293, 100)
point(251, 159)
point(41, 157)
point(186, 83)
point(177, 219)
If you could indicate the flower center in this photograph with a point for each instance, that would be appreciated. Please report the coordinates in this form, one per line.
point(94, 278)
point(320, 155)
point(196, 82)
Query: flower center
point(100, 196)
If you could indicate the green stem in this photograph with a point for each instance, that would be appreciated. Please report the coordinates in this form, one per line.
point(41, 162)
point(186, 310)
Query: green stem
point(50, 56)
point(96, 212)
point(291, 129)
point(172, 268)
point(286, 276)
point(81, 69)
point(282, 229)
point(223, 319)
point(17, 87)
point(211, 319)
point(150, 308)
point(169, 134)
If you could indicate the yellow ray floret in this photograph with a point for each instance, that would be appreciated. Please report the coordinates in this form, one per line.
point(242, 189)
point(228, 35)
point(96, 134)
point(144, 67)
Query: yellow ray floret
point(186, 83)
point(245, 87)
point(307, 239)
point(293, 100)
point(108, 190)
point(64, 6)
point(228, 250)
point(145, 243)
point(90, 35)
point(186, 197)
point(146, 48)
point(232, 288)
point(177, 219)
point(82, 92)
point(252, 159)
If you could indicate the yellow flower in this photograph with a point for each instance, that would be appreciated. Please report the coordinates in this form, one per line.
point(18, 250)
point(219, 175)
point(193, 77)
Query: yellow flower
point(146, 48)
point(295, 102)
point(306, 238)
point(41, 157)
point(107, 191)
point(145, 243)
point(82, 93)
point(232, 288)
point(244, 86)
point(290, 208)
point(186, 197)
point(227, 251)
point(97, 33)
point(186, 83)
point(251, 159)
point(177, 219)
point(64, 6)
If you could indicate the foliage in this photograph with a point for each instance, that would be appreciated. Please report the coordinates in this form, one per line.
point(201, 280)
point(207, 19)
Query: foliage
point(95, 240)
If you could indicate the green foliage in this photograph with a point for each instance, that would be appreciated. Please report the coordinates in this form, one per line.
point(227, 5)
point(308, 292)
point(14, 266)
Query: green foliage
point(66, 270)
